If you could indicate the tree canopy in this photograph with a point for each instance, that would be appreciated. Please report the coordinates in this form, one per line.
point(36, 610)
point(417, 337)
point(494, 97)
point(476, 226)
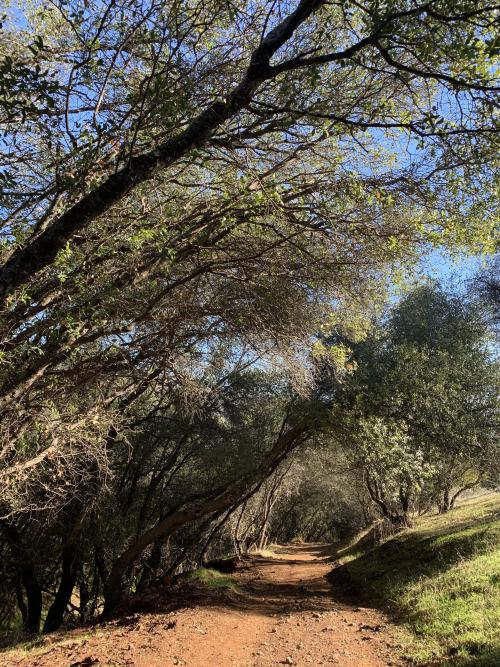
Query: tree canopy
point(425, 404)
point(198, 197)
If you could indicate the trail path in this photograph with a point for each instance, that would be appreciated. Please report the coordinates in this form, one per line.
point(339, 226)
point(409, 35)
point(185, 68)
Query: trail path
point(287, 614)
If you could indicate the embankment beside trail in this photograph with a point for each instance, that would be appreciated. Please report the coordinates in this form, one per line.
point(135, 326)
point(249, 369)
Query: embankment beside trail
point(441, 579)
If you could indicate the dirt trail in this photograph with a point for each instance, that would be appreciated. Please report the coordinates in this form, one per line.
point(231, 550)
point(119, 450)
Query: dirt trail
point(287, 613)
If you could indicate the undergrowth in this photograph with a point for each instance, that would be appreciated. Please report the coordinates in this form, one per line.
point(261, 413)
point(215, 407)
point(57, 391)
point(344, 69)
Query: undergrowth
point(213, 578)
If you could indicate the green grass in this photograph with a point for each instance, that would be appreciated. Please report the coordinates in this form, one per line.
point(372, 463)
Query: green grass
point(212, 578)
point(442, 581)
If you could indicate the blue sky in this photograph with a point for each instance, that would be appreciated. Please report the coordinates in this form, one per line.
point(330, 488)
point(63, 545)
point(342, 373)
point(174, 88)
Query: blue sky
point(442, 266)
point(453, 272)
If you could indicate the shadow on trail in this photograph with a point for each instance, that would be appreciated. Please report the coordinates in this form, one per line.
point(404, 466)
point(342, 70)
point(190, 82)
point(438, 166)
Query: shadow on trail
point(266, 586)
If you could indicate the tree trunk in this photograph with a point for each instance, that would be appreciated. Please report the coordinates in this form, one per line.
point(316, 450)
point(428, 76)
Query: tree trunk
point(20, 601)
point(398, 520)
point(34, 598)
point(67, 583)
point(151, 566)
point(445, 503)
point(27, 575)
point(84, 593)
point(213, 533)
point(236, 536)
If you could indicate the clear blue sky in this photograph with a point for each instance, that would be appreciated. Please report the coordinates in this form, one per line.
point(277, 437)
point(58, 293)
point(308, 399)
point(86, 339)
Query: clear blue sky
point(451, 269)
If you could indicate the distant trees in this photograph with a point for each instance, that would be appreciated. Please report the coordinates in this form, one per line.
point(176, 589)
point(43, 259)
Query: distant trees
point(424, 405)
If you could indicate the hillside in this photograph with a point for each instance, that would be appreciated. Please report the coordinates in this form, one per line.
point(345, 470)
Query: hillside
point(440, 579)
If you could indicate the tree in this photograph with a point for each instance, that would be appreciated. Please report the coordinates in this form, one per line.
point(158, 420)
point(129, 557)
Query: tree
point(394, 470)
point(425, 404)
point(193, 184)
point(124, 85)
point(487, 285)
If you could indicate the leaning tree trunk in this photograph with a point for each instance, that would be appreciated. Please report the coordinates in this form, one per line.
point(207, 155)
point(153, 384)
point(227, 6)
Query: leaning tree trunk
point(271, 498)
point(463, 489)
point(198, 507)
point(237, 540)
point(41, 250)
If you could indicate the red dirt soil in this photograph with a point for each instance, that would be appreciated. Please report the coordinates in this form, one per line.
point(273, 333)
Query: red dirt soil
point(285, 613)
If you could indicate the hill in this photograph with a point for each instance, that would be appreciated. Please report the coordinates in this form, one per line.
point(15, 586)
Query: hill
point(440, 579)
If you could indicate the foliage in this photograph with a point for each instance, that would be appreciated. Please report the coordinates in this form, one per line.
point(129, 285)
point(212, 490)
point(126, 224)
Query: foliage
point(394, 469)
point(423, 406)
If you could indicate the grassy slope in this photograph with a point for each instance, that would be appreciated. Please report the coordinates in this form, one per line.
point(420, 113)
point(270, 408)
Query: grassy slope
point(442, 579)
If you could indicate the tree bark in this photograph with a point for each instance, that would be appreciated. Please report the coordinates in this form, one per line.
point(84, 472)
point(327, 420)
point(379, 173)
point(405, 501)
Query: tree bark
point(33, 596)
point(55, 615)
point(27, 574)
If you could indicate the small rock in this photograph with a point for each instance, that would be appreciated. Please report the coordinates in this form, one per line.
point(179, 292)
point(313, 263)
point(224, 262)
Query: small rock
point(287, 661)
point(169, 625)
point(86, 662)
